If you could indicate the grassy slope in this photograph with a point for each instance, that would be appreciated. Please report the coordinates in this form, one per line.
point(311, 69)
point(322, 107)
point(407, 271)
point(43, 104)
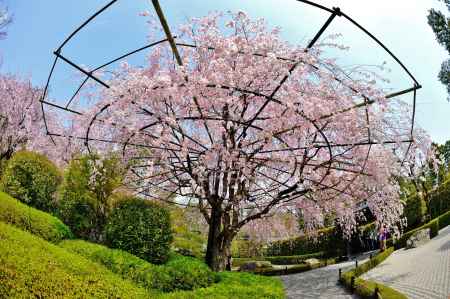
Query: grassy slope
point(32, 220)
point(30, 266)
point(33, 267)
point(236, 286)
point(180, 272)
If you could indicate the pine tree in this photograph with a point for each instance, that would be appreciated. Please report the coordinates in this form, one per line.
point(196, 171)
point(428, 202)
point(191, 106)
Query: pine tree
point(441, 27)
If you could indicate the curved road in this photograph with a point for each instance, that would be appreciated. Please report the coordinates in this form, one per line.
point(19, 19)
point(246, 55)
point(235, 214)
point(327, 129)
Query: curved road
point(422, 272)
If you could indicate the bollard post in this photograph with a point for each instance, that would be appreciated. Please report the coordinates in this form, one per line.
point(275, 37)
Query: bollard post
point(356, 263)
point(340, 274)
point(377, 292)
point(371, 256)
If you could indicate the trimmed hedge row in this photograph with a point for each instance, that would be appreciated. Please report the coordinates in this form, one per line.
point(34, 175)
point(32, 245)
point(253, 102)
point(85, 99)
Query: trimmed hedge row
point(293, 269)
point(32, 220)
point(279, 260)
point(179, 273)
point(293, 259)
point(444, 220)
point(367, 289)
point(434, 225)
point(328, 240)
point(31, 267)
point(235, 285)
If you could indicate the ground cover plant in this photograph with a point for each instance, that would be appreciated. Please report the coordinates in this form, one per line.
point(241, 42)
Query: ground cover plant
point(32, 267)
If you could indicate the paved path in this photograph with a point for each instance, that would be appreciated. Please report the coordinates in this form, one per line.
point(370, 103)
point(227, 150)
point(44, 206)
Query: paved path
point(422, 272)
point(318, 283)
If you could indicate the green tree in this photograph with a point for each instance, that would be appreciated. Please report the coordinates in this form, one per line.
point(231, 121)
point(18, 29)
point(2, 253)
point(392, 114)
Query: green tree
point(87, 193)
point(441, 27)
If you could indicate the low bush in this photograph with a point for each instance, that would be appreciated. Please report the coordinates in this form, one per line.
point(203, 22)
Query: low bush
point(366, 289)
point(31, 178)
point(237, 286)
point(294, 268)
point(328, 240)
point(32, 220)
point(179, 273)
point(293, 259)
point(140, 227)
point(30, 267)
point(278, 260)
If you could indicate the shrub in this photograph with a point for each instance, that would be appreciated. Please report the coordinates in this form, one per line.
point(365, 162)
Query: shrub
point(294, 269)
point(142, 228)
point(31, 178)
point(415, 210)
point(237, 286)
point(278, 260)
point(444, 220)
point(440, 200)
point(179, 273)
point(183, 273)
point(328, 240)
point(86, 194)
point(33, 268)
point(36, 222)
point(366, 289)
point(294, 259)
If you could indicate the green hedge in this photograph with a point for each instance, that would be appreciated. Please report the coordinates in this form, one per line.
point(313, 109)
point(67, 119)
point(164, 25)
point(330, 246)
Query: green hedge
point(179, 273)
point(31, 267)
point(440, 200)
point(293, 269)
point(37, 222)
point(140, 227)
point(366, 289)
point(237, 286)
point(328, 240)
point(444, 220)
point(293, 259)
point(279, 260)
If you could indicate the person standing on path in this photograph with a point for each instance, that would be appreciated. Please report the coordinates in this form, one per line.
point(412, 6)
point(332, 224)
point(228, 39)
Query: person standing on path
point(382, 237)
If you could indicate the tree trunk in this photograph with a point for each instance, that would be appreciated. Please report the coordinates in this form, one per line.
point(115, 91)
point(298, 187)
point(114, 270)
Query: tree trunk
point(218, 251)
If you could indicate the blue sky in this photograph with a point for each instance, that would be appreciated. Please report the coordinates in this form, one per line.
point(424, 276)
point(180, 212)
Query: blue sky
point(40, 26)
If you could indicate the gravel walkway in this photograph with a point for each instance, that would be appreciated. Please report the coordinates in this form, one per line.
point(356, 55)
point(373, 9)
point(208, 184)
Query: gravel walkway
point(422, 272)
point(318, 283)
